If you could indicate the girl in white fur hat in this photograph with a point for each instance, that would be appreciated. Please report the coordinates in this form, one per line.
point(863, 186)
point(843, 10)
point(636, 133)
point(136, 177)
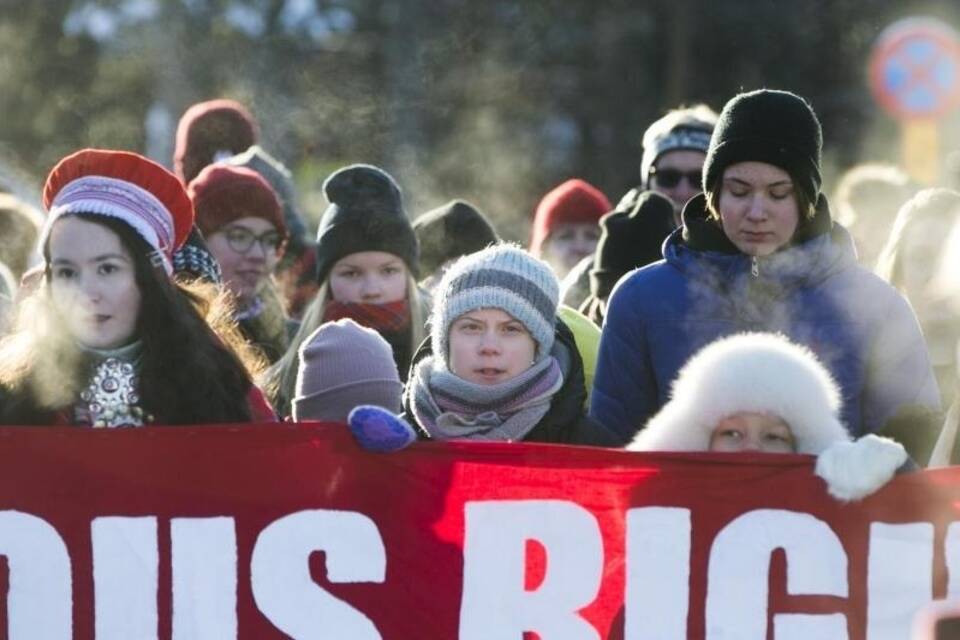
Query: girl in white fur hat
point(760, 392)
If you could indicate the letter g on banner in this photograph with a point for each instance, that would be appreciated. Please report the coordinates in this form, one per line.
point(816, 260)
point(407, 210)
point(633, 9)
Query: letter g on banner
point(739, 575)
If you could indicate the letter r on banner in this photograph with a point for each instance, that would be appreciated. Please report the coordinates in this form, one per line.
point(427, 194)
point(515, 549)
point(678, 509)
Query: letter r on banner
point(495, 604)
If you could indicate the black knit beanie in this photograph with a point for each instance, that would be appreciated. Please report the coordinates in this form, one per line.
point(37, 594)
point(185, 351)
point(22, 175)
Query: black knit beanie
point(365, 214)
point(450, 231)
point(776, 127)
point(630, 239)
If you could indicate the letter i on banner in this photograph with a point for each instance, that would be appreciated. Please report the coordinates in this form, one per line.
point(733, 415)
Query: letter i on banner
point(658, 574)
point(495, 604)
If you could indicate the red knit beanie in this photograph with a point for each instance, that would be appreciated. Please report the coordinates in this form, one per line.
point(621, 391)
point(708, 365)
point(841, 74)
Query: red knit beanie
point(208, 129)
point(224, 193)
point(574, 201)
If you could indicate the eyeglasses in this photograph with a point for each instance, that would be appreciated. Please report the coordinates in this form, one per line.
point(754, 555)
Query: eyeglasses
point(669, 178)
point(241, 240)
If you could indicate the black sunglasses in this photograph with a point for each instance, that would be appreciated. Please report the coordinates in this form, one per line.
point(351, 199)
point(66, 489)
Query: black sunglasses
point(669, 178)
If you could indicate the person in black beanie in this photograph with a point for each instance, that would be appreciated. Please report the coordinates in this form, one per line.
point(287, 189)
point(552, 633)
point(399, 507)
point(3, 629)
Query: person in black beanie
point(628, 240)
point(454, 229)
point(367, 266)
point(758, 251)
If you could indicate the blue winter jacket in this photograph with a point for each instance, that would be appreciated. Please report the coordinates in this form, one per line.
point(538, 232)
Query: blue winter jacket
point(814, 292)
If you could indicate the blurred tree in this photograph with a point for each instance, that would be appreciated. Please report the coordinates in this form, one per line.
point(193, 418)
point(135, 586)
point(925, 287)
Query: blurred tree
point(494, 101)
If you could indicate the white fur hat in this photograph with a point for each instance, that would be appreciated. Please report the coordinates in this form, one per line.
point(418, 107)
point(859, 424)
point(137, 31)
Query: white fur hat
point(748, 372)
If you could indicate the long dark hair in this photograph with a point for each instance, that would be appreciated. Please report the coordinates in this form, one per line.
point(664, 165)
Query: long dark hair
point(187, 374)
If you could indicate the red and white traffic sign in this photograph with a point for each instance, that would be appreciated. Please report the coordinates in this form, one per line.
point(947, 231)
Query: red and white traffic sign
point(915, 69)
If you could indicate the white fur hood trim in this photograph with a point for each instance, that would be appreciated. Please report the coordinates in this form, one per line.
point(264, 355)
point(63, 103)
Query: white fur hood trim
point(748, 372)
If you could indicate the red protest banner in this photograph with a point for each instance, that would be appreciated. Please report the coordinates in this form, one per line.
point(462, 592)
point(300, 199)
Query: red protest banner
point(292, 531)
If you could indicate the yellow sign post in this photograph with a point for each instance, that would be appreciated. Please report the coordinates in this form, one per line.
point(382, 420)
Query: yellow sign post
point(921, 150)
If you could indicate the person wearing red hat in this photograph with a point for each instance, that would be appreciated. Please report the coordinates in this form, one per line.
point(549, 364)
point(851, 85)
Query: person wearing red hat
point(109, 339)
point(242, 221)
point(566, 225)
point(210, 131)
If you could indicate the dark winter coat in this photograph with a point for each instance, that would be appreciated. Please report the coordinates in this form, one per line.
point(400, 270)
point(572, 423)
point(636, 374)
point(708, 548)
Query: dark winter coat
point(565, 422)
point(813, 291)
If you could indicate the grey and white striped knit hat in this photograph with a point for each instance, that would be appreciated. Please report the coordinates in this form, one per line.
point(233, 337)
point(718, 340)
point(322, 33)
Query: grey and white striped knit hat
point(504, 277)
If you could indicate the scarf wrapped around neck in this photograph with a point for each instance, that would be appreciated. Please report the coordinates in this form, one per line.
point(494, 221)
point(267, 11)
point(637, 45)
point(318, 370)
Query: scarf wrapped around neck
point(391, 317)
point(448, 406)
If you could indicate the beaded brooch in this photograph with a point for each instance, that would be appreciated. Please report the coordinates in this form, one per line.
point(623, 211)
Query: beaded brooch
point(112, 396)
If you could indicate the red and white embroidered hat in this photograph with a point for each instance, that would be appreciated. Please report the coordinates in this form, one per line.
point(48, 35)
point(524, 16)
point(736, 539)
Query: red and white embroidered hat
point(122, 185)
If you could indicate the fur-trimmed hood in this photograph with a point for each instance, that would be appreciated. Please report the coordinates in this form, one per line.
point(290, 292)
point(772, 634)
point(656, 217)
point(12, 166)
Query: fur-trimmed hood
point(748, 372)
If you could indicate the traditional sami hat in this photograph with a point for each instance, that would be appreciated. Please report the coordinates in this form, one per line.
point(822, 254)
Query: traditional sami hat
point(121, 185)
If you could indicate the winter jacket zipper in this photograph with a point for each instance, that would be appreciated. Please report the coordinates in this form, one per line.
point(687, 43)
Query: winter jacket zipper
point(755, 266)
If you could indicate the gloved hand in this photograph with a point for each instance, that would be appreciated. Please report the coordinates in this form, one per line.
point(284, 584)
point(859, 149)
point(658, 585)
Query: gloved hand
point(854, 470)
point(376, 429)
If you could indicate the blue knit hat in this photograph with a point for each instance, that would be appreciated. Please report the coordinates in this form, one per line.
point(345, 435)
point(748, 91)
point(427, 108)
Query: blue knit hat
point(502, 277)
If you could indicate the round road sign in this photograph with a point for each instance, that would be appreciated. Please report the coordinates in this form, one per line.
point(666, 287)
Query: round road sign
point(915, 69)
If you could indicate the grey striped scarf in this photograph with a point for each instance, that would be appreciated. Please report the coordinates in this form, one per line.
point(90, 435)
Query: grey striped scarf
point(448, 406)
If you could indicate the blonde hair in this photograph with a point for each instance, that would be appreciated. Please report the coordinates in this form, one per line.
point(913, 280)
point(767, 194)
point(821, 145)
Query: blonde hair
point(279, 381)
point(936, 203)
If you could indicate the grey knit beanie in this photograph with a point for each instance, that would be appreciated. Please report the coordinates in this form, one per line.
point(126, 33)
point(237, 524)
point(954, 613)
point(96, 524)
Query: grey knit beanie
point(686, 129)
point(502, 277)
point(343, 365)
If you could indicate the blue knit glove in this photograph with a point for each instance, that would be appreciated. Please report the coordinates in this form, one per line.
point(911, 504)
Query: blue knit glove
point(376, 429)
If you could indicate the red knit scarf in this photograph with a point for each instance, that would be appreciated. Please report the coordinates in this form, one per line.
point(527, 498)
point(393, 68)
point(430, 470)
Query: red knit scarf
point(391, 317)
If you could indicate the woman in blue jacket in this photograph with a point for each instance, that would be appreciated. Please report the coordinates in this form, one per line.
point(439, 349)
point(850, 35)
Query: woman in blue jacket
point(758, 251)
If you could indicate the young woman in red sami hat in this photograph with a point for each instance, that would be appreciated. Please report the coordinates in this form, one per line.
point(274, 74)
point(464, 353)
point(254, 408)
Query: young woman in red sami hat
point(109, 339)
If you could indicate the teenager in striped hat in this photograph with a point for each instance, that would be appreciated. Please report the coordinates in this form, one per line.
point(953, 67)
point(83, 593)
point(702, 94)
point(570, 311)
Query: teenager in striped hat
point(499, 365)
point(109, 339)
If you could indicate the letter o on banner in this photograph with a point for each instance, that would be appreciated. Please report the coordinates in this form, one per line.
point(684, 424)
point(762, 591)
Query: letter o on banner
point(40, 600)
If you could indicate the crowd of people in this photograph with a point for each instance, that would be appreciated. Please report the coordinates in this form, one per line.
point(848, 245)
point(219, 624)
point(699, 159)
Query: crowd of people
point(719, 306)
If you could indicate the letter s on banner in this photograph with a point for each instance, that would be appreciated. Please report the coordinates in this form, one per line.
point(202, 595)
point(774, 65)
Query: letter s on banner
point(739, 575)
point(280, 573)
point(40, 599)
point(495, 604)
